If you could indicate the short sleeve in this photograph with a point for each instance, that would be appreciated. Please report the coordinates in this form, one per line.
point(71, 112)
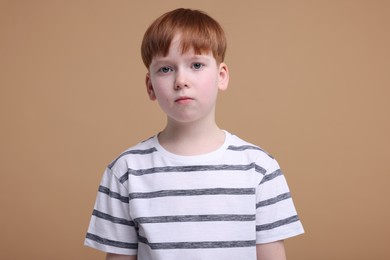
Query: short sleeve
point(276, 216)
point(111, 228)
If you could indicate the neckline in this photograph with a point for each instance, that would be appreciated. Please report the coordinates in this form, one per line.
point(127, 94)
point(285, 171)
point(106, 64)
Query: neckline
point(201, 158)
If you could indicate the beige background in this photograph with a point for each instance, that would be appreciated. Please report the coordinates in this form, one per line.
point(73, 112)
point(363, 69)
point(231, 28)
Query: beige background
point(309, 83)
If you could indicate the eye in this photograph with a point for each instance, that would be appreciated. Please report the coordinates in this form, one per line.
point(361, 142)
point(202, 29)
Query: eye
point(165, 69)
point(197, 65)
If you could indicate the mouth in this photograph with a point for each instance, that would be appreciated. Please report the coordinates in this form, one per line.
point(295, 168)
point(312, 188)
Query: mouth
point(183, 100)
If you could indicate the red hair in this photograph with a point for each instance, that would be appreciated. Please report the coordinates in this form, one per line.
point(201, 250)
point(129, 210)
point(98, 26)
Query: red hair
point(197, 30)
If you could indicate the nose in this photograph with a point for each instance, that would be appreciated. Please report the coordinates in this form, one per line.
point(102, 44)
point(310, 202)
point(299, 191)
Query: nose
point(181, 80)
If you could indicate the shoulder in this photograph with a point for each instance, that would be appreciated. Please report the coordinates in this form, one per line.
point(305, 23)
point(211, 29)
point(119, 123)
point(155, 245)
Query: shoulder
point(238, 144)
point(252, 152)
point(140, 150)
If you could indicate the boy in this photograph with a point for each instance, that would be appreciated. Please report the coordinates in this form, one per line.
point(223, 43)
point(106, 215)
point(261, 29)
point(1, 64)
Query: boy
point(193, 191)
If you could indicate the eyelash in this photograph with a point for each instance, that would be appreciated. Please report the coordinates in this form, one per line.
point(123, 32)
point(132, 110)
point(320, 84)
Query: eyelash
point(162, 69)
point(195, 66)
point(198, 64)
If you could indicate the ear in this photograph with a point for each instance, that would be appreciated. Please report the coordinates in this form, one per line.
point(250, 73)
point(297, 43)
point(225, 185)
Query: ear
point(223, 76)
point(149, 87)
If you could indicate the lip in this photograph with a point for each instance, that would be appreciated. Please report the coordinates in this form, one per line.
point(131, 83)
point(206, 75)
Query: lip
point(183, 99)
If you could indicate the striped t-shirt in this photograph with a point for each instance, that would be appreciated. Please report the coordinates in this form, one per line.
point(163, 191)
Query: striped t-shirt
point(219, 205)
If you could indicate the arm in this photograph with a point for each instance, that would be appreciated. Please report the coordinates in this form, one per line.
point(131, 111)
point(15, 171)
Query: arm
point(120, 257)
point(271, 251)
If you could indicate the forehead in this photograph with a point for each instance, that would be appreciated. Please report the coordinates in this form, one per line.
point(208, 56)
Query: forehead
point(184, 46)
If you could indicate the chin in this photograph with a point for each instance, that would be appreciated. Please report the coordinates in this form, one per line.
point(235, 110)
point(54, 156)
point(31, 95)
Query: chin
point(185, 119)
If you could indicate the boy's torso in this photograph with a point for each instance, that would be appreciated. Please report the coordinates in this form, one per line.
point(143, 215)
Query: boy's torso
point(200, 204)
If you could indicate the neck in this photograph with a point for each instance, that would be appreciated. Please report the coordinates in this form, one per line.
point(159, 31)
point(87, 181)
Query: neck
point(191, 139)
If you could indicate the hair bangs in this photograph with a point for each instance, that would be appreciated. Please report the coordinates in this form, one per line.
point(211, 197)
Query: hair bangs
point(197, 31)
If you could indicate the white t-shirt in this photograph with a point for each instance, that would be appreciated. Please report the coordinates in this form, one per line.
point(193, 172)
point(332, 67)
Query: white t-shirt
point(219, 205)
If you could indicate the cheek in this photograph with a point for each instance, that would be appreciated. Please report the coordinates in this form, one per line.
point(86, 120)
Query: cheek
point(209, 82)
point(158, 86)
point(162, 93)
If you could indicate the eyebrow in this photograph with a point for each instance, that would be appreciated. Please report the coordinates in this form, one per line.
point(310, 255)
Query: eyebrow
point(161, 59)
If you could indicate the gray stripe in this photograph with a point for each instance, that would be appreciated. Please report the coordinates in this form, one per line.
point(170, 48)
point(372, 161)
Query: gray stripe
point(112, 194)
point(278, 223)
point(191, 168)
point(140, 152)
point(243, 148)
point(271, 176)
point(195, 218)
point(248, 147)
point(109, 242)
point(196, 245)
point(260, 169)
point(112, 219)
point(273, 200)
point(197, 192)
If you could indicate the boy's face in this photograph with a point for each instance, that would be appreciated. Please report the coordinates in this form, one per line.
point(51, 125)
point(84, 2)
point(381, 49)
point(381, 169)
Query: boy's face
point(186, 85)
